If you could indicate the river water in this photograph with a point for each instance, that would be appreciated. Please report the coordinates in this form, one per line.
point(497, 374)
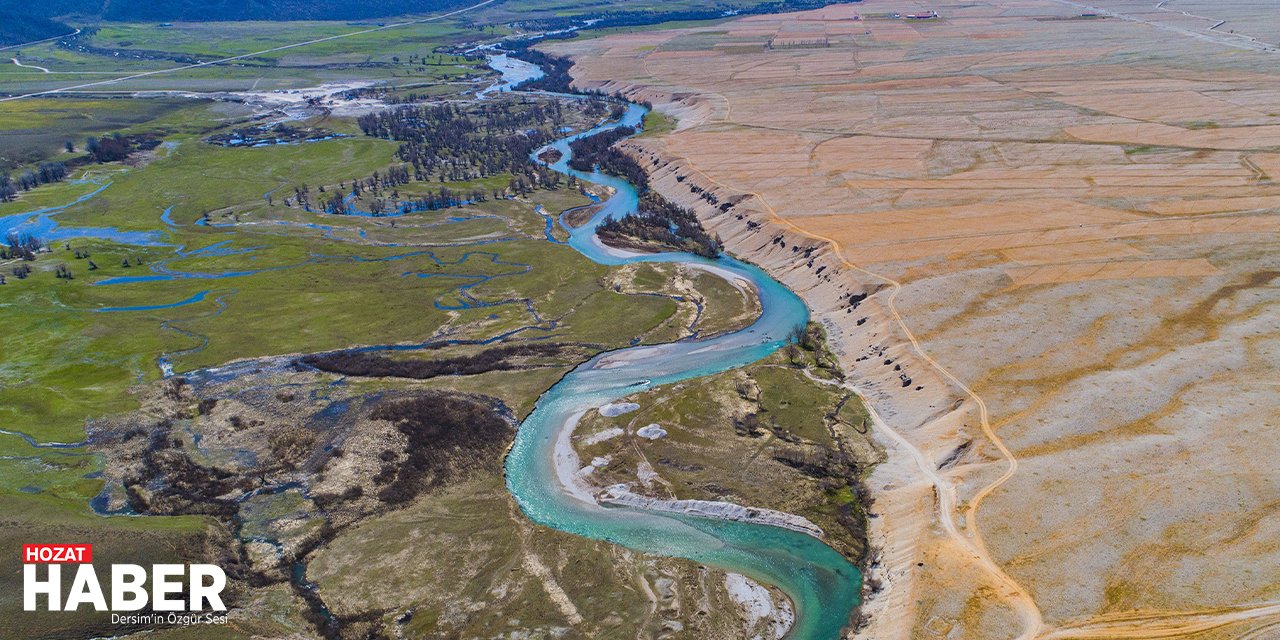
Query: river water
point(823, 586)
point(513, 70)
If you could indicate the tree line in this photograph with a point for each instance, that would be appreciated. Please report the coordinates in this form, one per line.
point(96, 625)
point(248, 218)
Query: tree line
point(45, 173)
point(20, 246)
point(364, 364)
point(454, 143)
point(449, 143)
point(597, 152)
point(115, 147)
point(657, 220)
point(555, 69)
point(108, 148)
point(381, 195)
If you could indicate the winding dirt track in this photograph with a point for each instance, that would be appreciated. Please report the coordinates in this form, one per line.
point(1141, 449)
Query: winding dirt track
point(18, 62)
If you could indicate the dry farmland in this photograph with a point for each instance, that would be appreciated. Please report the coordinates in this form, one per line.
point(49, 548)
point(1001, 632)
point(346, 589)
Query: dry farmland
point(1067, 228)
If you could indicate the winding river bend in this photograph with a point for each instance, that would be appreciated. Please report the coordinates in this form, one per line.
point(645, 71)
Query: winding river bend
point(823, 586)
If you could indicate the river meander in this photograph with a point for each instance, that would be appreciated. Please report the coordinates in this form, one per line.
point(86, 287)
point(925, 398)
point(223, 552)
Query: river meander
point(823, 586)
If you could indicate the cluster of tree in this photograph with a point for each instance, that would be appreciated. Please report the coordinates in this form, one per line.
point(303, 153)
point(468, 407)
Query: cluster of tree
point(430, 201)
point(453, 143)
point(818, 462)
point(108, 148)
point(810, 338)
point(45, 173)
point(372, 191)
point(658, 221)
point(597, 152)
point(525, 183)
point(374, 185)
point(852, 517)
point(23, 247)
point(83, 254)
point(393, 177)
point(301, 197)
point(444, 198)
point(446, 435)
point(364, 364)
point(20, 247)
point(118, 147)
point(63, 271)
point(748, 424)
point(336, 204)
point(266, 135)
point(555, 69)
point(550, 155)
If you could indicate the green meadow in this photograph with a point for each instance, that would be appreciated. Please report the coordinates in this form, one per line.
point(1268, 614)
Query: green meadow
point(264, 279)
point(313, 288)
point(216, 268)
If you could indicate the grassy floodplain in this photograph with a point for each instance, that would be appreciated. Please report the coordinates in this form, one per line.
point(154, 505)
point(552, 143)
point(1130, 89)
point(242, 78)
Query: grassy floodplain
point(267, 280)
point(310, 292)
point(206, 265)
point(657, 123)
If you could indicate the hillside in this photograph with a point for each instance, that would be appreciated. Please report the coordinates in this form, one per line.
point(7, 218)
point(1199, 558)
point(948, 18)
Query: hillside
point(18, 28)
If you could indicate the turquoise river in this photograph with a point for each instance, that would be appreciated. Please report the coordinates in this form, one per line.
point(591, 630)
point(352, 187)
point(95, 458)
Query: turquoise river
point(823, 586)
